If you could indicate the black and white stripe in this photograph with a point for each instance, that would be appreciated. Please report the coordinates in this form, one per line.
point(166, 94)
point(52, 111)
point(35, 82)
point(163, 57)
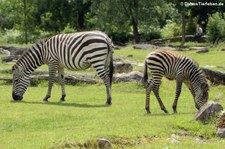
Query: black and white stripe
point(174, 67)
point(74, 51)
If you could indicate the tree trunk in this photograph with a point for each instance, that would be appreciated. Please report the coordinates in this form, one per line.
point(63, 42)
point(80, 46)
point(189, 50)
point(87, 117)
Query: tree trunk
point(135, 29)
point(183, 29)
point(25, 20)
point(215, 77)
point(80, 18)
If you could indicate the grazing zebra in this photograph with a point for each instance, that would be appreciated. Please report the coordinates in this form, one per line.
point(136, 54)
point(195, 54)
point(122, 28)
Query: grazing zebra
point(74, 51)
point(174, 67)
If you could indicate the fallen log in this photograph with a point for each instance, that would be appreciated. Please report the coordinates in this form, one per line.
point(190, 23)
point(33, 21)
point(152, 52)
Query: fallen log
point(215, 77)
point(71, 80)
point(178, 38)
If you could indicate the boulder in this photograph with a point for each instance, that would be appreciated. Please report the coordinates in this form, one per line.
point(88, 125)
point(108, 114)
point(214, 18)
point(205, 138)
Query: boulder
point(103, 143)
point(5, 52)
point(10, 58)
point(221, 132)
point(207, 111)
point(122, 67)
point(134, 76)
point(145, 46)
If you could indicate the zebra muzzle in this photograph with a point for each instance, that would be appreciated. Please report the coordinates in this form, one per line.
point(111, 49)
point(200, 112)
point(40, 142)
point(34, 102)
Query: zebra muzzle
point(16, 97)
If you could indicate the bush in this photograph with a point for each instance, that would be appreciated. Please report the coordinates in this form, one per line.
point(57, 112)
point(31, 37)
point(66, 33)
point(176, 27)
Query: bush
point(171, 29)
point(10, 36)
point(148, 33)
point(216, 28)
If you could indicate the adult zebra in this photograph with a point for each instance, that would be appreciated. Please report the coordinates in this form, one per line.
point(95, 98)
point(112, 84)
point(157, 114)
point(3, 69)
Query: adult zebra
point(174, 67)
point(73, 51)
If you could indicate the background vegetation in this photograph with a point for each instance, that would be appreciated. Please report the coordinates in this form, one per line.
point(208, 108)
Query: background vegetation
point(25, 21)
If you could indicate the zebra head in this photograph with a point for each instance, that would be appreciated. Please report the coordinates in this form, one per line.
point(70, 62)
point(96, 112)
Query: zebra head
point(202, 96)
point(20, 82)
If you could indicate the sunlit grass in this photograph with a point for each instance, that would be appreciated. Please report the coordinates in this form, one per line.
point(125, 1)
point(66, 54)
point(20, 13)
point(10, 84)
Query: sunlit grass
point(84, 116)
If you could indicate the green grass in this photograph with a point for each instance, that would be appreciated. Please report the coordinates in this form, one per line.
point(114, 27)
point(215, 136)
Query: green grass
point(33, 124)
point(84, 117)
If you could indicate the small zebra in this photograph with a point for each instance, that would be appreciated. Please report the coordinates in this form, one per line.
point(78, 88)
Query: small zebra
point(174, 67)
point(75, 51)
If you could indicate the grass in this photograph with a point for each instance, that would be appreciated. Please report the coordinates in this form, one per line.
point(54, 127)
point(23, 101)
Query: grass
point(84, 117)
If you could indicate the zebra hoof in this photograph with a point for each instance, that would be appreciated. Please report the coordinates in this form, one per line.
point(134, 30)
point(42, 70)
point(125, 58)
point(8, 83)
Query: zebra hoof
point(166, 111)
point(45, 101)
point(148, 111)
point(108, 103)
point(62, 100)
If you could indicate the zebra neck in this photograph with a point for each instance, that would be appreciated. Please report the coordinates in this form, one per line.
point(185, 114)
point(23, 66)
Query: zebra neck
point(30, 61)
point(196, 78)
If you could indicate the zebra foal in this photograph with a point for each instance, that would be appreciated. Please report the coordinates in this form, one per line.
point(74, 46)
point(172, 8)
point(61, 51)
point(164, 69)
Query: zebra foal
point(174, 67)
point(75, 51)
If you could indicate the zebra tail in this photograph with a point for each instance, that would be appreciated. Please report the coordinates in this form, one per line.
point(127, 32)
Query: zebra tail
point(109, 63)
point(111, 69)
point(145, 75)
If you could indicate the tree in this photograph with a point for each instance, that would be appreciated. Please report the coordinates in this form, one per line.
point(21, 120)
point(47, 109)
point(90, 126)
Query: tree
point(126, 15)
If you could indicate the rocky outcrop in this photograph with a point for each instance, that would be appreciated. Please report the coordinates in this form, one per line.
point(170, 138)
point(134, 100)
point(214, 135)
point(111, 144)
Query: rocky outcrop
point(207, 111)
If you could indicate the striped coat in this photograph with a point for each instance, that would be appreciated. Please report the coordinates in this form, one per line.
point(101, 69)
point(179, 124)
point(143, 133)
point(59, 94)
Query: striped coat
point(76, 51)
point(174, 67)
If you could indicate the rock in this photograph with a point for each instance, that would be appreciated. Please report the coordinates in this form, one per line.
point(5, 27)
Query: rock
point(121, 67)
point(199, 141)
point(134, 76)
point(198, 48)
point(10, 58)
point(207, 111)
point(203, 51)
point(173, 139)
point(103, 143)
point(5, 52)
point(221, 132)
point(145, 46)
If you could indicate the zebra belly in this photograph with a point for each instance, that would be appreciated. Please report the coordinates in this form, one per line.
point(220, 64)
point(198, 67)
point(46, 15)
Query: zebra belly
point(76, 65)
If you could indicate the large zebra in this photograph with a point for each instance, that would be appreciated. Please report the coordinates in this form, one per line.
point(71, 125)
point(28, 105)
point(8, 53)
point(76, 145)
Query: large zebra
point(174, 67)
point(73, 51)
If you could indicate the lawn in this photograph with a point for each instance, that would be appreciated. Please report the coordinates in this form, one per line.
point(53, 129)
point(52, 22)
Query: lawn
point(84, 117)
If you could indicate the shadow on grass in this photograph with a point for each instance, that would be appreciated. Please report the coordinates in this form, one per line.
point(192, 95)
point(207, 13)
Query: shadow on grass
point(169, 114)
point(62, 104)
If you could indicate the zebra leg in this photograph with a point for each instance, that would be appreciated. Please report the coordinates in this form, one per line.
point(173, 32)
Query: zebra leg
point(148, 91)
point(106, 79)
point(178, 91)
point(52, 72)
point(156, 92)
point(62, 82)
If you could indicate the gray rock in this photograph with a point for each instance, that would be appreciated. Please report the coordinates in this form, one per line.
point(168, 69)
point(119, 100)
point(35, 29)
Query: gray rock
point(134, 76)
point(207, 111)
point(103, 143)
point(5, 52)
point(145, 46)
point(221, 132)
point(121, 67)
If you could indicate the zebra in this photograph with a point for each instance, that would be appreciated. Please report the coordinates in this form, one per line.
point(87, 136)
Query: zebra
point(74, 51)
point(174, 67)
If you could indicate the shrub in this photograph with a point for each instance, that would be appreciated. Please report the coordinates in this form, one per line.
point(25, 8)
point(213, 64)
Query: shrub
point(171, 29)
point(148, 33)
point(10, 36)
point(216, 28)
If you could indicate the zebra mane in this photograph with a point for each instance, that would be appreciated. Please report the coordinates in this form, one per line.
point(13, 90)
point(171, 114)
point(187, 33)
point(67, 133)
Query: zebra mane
point(200, 72)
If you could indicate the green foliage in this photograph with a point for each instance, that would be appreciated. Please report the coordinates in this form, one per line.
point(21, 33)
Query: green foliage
point(216, 27)
point(171, 29)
